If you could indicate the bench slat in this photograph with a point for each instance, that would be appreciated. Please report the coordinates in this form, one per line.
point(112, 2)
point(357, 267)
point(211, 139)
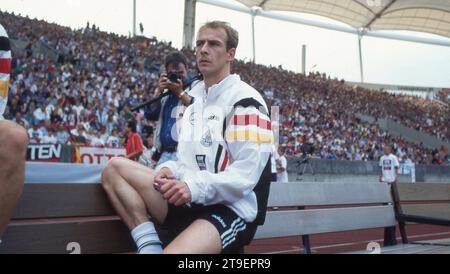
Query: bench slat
point(316, 221)
point(440, 211)
point(63, 200)
point(412, 250)
point(424, 192)
point(438, 250)
point(320, 193)
point(106, 236)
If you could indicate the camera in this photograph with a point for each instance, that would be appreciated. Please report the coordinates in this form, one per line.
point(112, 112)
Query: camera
point(173, 77)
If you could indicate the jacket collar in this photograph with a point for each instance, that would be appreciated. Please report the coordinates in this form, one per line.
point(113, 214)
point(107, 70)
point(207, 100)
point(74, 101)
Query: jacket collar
point(217, 89)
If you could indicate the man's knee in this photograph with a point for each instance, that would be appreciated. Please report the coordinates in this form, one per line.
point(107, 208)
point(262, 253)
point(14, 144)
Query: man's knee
point(111, 169)
point(13, 138)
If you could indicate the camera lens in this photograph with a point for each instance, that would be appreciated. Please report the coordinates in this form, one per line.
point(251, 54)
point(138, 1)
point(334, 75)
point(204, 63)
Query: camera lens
point(173, 77)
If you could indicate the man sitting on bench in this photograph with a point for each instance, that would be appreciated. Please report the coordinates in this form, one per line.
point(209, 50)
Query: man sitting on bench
point(13, 144)
point(212, 198)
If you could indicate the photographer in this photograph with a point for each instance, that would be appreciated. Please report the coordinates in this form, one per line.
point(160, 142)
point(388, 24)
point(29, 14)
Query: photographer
point(170, 109)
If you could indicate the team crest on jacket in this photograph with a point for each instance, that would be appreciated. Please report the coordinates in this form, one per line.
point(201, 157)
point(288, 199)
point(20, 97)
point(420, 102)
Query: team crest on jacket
point(206, 140)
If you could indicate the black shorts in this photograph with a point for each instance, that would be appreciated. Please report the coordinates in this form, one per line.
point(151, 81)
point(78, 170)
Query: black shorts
point(234, 232)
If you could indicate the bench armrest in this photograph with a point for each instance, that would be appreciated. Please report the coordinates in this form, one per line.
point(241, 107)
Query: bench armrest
point(422, 220)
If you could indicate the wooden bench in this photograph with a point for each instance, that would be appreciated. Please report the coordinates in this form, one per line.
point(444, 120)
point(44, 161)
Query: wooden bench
point(336, 207)
point(51, 217)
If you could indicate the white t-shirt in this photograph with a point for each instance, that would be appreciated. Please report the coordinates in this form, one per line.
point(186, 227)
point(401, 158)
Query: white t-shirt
point(39, 114)
point(48, 140)
point(96, 141)
point(282, 177)
point(388, 163)
point(35, 134)
point(113, 141)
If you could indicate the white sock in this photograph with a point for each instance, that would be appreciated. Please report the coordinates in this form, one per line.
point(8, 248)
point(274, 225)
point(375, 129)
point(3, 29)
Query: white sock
point(146, 239)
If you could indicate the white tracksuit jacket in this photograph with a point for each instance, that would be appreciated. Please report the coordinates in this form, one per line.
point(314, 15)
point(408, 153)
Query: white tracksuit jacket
point(224, 150)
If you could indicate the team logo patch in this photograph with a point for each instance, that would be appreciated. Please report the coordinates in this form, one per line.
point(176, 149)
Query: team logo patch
point(213, 117)
point(201, 161)
point(206, 140)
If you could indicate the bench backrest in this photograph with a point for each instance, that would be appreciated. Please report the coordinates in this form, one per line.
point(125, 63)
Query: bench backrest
point(328, 207)
point(51, 216)
point(425, 199)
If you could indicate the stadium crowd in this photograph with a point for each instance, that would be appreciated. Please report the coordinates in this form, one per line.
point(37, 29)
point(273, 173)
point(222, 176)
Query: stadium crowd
point(83, 94)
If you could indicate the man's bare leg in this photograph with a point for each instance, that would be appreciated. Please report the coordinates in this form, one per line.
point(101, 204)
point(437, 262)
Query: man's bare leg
point(129, 186)
point(13, 147)
point(201, 237)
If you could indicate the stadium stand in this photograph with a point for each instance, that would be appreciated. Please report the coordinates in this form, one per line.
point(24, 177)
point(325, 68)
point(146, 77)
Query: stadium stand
point(63, 78)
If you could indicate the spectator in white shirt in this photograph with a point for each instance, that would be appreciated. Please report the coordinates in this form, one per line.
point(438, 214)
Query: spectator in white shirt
point(48, 109)
point(50, 139)
point(35, 135)
point(113, 139)
point(74, 131)
point(62, 136)
point(78, 107)
point(40, 114)
point(97, 140)
point(389, 166)
point(90, 135)
point(282, 175)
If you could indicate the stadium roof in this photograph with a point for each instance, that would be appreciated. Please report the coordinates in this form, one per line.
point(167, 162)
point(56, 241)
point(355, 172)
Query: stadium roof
point(430, 16)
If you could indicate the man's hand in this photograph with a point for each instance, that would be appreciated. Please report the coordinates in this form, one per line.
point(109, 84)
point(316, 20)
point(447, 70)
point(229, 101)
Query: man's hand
point(165, 83)
point(164, 173)
point(176, 88)
point(175, 192)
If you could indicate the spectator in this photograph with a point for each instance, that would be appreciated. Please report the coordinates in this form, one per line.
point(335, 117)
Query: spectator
point(389, 166)
point(19, 120)
point(40, 114)
point(113, 139)
point(282, 175)
point(97, 140)
point(62, 136)
point(50, 138)
point(34, 134)
point(169, 109)
point(134, 145)
point(80, 138)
